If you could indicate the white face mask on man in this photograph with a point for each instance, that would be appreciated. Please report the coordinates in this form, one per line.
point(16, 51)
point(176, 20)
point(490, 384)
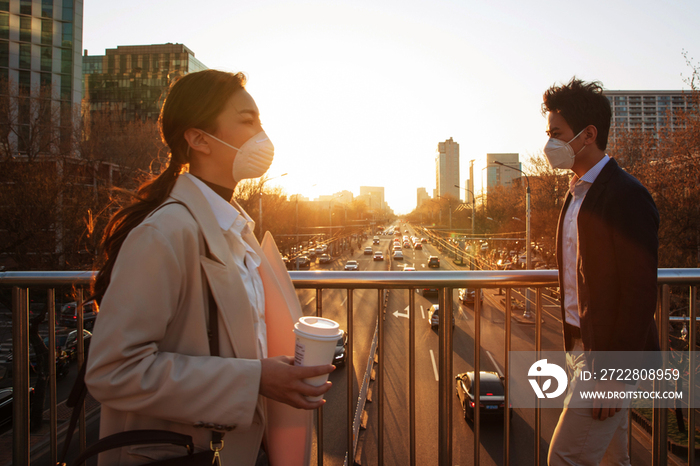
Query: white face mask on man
point(254, 156)
point(560, 154)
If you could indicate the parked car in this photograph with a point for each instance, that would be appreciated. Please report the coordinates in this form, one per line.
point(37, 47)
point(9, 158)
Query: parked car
point(492, 394)
point(324, 259)
point(434, 312)
point(7, 406)
point(368, 251)
point(68, 316)
point(352, 265)
point(398, 255)
point(378, 256)
point(434, 261)
point(466, 295)
point(340, 350)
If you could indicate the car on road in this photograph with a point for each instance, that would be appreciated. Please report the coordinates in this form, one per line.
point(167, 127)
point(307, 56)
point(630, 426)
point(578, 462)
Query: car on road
point(424, 241)
point(417, 246)
point(466, 295)
point(375, 240)
point(69, 315)
point(303, 262)
point(368, 251)
point(434, 261)
point(378, 256)
point(434, 312)
point(406, 244)
point(398, 255)
point(430, 291)
point(340, 350)
point(492, 394)
point(352, 265)
point(324, 259)
point(408, 268)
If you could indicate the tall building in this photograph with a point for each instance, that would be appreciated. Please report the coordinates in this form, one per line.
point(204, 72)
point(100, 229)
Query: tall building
point(131, 79)
point(421, 196)
point(498, 175)
point(373, 196)
point(447, 169)
point(40, 46)
point(646, 110)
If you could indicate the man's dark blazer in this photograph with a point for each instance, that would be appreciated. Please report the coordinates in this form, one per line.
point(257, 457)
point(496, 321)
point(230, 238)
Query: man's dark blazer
point(616, 264)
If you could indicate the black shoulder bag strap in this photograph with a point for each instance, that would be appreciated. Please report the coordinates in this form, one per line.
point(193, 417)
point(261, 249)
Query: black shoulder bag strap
point(142, 437)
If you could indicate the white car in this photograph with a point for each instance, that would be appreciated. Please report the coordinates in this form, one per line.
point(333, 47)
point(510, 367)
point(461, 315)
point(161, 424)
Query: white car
point(352, 265)
point(435, 316)
point(398, 255)
point(408, 268)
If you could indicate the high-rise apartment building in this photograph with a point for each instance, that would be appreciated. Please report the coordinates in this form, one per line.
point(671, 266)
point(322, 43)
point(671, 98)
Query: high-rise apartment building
point(499, 175)
point(129, 81)
point(421, 196)
point(646, 110)
point(447, 169)
point(40, 46)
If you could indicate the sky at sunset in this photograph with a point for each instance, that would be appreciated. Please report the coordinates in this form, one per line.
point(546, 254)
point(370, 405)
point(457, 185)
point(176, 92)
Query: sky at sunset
point(359, 93)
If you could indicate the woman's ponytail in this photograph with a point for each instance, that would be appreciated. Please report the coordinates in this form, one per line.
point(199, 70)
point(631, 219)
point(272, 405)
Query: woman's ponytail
point(194, 101)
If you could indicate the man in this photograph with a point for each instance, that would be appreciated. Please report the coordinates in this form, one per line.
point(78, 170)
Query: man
point(607, 252)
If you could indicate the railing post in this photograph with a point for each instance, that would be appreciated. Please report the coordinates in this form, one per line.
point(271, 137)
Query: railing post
point(444, 377)
point(692, 333)
point(319, 411)
point(349, 360)
point(20, 375)
point(538, 349)
point(51, 303)
point(477, 376)
point(660, 420)
point(506, 368)
point(81, 360)
point(380, 378)
point(412, 371)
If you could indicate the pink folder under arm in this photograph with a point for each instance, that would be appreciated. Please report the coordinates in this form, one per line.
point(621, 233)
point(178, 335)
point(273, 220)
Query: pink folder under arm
point(288, 430)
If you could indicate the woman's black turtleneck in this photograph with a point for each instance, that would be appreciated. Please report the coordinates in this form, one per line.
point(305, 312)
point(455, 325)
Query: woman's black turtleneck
point(225, 193)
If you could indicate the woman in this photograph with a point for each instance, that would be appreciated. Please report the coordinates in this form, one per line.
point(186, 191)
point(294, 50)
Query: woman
point(150, 364)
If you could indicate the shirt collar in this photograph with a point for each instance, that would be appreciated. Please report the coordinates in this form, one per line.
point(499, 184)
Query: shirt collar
point(227, 215)
point(591, 175)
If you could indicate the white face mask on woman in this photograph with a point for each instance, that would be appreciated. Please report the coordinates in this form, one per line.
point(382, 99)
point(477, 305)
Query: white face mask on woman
point(560, 154)
point(254, 156)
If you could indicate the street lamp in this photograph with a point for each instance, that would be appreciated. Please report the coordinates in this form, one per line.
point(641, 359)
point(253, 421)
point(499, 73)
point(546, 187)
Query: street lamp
point(528, 254)
point(473, 206)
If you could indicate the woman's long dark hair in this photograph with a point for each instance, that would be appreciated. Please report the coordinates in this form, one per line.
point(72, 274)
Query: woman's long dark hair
point(194, 101)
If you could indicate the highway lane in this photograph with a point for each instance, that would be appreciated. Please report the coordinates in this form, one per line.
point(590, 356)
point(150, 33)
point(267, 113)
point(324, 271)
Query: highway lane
point(396, 422)
point(334, 306)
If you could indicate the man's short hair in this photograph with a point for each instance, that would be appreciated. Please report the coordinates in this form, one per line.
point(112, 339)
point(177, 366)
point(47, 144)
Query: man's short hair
point(581, 104)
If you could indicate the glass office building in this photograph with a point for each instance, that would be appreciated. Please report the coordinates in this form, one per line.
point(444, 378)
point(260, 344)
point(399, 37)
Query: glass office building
point(40, 46)
point(129, 82)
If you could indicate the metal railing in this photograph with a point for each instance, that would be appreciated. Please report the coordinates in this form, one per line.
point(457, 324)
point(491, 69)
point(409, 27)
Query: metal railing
point(445, 281)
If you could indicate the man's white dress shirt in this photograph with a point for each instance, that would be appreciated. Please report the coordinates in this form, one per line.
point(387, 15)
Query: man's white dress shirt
point(579, 188)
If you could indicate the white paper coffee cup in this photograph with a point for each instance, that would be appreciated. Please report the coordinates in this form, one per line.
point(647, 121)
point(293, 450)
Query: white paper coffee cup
point(316, 339)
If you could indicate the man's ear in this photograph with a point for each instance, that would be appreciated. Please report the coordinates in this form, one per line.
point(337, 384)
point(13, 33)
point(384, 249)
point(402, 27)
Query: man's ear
point(195, 139)
point(590, 134)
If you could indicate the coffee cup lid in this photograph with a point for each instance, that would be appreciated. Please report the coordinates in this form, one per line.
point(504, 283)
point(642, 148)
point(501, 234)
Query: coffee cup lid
point(318, 327)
